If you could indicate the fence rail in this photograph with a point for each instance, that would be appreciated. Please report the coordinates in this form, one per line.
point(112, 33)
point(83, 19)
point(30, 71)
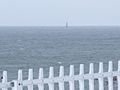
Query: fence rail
point(61, 79)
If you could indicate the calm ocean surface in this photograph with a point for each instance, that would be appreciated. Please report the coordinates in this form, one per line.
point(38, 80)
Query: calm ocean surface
point(34, 47)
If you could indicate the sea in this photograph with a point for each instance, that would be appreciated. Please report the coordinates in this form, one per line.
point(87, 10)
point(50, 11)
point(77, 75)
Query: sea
point(43, 47)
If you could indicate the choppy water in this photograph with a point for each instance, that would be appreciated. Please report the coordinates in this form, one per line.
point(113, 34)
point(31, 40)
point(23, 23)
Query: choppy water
point(34, 47)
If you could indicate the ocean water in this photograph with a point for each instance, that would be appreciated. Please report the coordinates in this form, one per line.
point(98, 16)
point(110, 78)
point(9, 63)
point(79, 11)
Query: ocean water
point(35, 47)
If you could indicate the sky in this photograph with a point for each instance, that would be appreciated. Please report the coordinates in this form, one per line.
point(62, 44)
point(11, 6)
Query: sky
point(58, 12)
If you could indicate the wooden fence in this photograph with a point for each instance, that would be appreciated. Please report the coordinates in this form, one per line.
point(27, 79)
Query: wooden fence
point(61, 79)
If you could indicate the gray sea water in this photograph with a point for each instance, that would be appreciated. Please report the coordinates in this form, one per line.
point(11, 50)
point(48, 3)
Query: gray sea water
point(34, 47)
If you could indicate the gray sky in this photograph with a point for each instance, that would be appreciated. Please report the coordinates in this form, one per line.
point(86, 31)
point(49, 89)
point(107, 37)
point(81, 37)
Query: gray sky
point(57, 12)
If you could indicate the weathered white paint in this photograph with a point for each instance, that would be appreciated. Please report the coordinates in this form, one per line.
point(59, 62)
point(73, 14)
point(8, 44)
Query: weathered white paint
point(110, 77)
point(20, 77)
point(19, 83)
point(91, 80)
point(61, 75)
point(30, 79)
point(4, 80)
point(41, 85)
point(71, 82)
point(51, 76)
point(81, 81)
point(118, 76)
point(100, 80)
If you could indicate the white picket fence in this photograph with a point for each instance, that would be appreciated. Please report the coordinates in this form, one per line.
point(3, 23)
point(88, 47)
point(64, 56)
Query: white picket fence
point(61, 79)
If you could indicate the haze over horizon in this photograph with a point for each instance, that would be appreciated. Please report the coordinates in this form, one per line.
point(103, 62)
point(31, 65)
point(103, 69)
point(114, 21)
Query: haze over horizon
point(57, 12)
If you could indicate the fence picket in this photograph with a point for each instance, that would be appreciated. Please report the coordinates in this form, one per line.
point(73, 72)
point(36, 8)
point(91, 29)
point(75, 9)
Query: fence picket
point(110, 77)
point(61, 75)
point(91, 80)
point(20, 86)
point(71, 82)
point(118, 77)
point(100, 80)
point(4, 79)
point(30, 78)
point(81, 81)
point(41, 85)
point(51, 76)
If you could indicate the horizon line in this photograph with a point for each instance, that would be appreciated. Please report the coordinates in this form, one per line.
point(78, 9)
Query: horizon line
point(62, 26)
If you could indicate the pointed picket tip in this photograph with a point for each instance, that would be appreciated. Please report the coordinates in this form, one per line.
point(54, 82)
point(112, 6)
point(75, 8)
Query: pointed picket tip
point(100, 67)
point(4, 77)
point(20, 77)
point(81, 69)
point(51, 72)
point(61, 72)
point(30, 74)
point(110, 66)
point(40, 73)
point(91, 70)
point(71, 70)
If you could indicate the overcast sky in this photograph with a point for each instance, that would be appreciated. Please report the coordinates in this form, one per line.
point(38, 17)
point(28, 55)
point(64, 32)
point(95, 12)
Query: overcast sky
point(57, 12)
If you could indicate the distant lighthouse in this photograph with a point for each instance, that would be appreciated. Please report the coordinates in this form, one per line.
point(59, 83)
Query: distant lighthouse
point(66, 25)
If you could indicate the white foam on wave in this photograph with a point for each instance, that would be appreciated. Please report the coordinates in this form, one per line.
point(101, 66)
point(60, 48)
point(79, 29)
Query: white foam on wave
point(59, 62)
